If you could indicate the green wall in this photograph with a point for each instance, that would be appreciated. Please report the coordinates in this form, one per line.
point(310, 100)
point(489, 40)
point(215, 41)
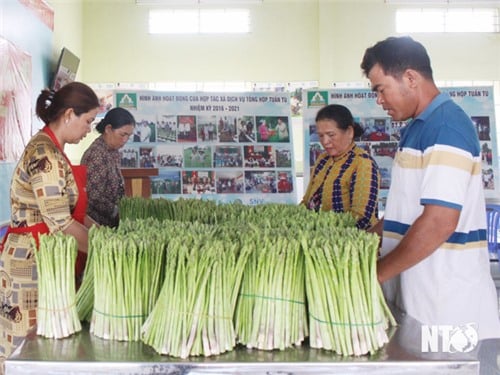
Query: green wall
point(282, 46)
point(292, 40)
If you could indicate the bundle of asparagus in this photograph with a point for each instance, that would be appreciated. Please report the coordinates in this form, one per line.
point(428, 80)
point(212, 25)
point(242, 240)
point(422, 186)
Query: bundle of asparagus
point(347, 311)
point(128, 272)
point(55, 262)
point(194, 312)
point(271, 310)
point(85, 294)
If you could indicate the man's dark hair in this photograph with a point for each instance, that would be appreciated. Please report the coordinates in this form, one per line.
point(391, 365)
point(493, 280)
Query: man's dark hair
point(395, 55)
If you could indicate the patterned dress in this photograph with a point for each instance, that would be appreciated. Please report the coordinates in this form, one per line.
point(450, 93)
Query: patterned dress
point(345, 183)
point(43, 190)
point(105, 185)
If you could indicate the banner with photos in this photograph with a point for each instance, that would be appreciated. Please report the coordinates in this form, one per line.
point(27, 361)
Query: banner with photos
point(229, 147)
point(382, 135)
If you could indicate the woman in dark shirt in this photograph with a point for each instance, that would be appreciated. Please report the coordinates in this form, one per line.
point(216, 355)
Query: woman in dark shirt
point(105, 186)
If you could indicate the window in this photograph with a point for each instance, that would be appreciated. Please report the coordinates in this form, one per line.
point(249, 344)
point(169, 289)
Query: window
point(196, 21)
point(438, 20)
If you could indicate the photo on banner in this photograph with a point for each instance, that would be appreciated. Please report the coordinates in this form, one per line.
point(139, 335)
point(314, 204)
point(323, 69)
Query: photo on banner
point(229, 147)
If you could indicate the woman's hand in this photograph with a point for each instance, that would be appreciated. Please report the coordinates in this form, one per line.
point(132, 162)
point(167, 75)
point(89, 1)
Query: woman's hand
point(89, 222)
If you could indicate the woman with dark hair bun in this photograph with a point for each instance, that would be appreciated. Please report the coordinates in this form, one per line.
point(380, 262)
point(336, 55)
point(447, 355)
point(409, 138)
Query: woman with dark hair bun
point(344, 178)
point(105, 186)
point(47, 195)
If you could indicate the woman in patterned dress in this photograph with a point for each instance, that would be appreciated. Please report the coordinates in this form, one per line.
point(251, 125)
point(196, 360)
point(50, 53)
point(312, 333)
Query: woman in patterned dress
point(344, 178)
point(105, 186)
point(47, 195)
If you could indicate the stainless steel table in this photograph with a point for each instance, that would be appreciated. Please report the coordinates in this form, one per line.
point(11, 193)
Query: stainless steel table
point(84, 353)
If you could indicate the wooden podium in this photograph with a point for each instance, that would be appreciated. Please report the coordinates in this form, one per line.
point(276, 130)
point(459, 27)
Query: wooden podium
point(138, 181)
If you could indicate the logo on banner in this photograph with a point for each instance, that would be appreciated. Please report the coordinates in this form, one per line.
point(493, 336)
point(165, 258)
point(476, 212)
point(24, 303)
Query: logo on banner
point(317, 98)
point(126, 100)
point(448, 338)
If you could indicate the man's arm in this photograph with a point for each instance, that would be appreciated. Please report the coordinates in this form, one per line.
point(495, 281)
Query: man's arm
point(432, 228)
point(378, 228)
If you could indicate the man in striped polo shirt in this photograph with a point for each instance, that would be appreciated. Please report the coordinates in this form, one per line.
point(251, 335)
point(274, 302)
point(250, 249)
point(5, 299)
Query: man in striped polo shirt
point(434, 260)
